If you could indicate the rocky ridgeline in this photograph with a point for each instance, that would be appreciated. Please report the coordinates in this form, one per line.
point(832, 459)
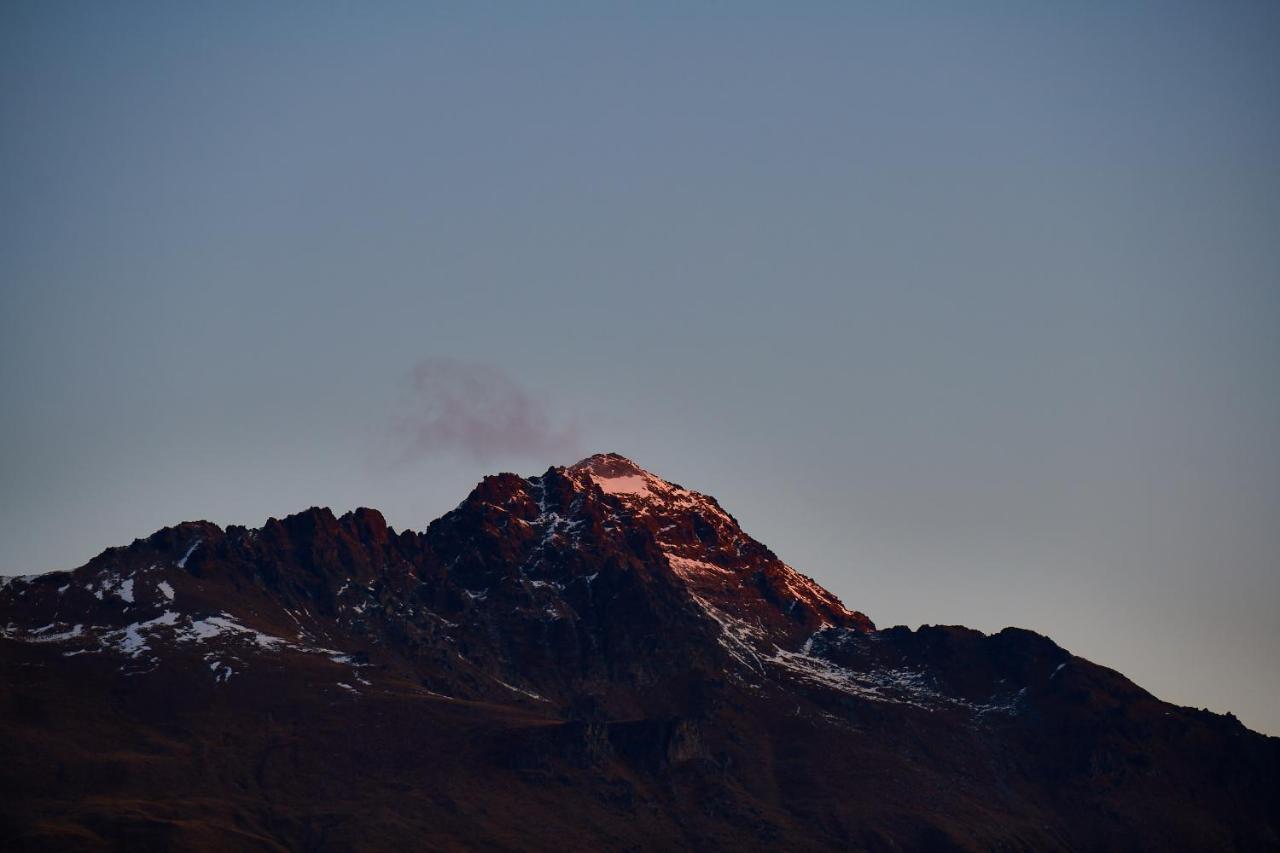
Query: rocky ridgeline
point(610, 644)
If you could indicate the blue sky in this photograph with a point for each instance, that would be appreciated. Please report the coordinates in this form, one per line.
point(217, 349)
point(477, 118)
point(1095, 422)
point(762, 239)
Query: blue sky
point(968, 313)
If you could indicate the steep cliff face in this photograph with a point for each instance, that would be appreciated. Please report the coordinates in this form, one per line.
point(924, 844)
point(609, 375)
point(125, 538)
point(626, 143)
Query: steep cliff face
point(592, 657)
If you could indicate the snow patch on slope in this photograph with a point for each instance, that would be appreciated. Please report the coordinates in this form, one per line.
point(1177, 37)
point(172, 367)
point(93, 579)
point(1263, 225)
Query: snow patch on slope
point(686, 567)
point(44, 635)
point(628, 484)
point(897, 685)
point(182, 563)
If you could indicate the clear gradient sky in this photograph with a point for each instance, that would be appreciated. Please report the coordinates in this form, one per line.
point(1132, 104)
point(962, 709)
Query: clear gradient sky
point(973, 316)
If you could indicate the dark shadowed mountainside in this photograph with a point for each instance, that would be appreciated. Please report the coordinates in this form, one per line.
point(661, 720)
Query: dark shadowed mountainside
point(595, 658)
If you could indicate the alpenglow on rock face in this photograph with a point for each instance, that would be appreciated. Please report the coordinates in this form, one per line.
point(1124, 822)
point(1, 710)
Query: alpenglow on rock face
point(592, 658)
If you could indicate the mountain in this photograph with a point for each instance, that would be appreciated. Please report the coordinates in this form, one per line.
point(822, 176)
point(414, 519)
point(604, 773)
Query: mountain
point(594, 658)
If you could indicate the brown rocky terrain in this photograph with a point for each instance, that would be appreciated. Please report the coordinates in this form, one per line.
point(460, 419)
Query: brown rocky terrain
point(595, 658)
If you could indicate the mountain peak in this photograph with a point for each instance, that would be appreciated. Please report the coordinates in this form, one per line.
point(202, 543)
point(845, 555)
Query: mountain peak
point(616, 474)
point(608, 465)
point(598, 626)
point(729, 574)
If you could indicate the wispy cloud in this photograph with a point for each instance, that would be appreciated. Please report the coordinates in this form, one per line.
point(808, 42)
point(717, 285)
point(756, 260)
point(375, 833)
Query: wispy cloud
point(477, 410)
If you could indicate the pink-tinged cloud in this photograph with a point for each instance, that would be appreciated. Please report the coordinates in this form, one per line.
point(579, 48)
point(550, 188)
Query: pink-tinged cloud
point(477, 410)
